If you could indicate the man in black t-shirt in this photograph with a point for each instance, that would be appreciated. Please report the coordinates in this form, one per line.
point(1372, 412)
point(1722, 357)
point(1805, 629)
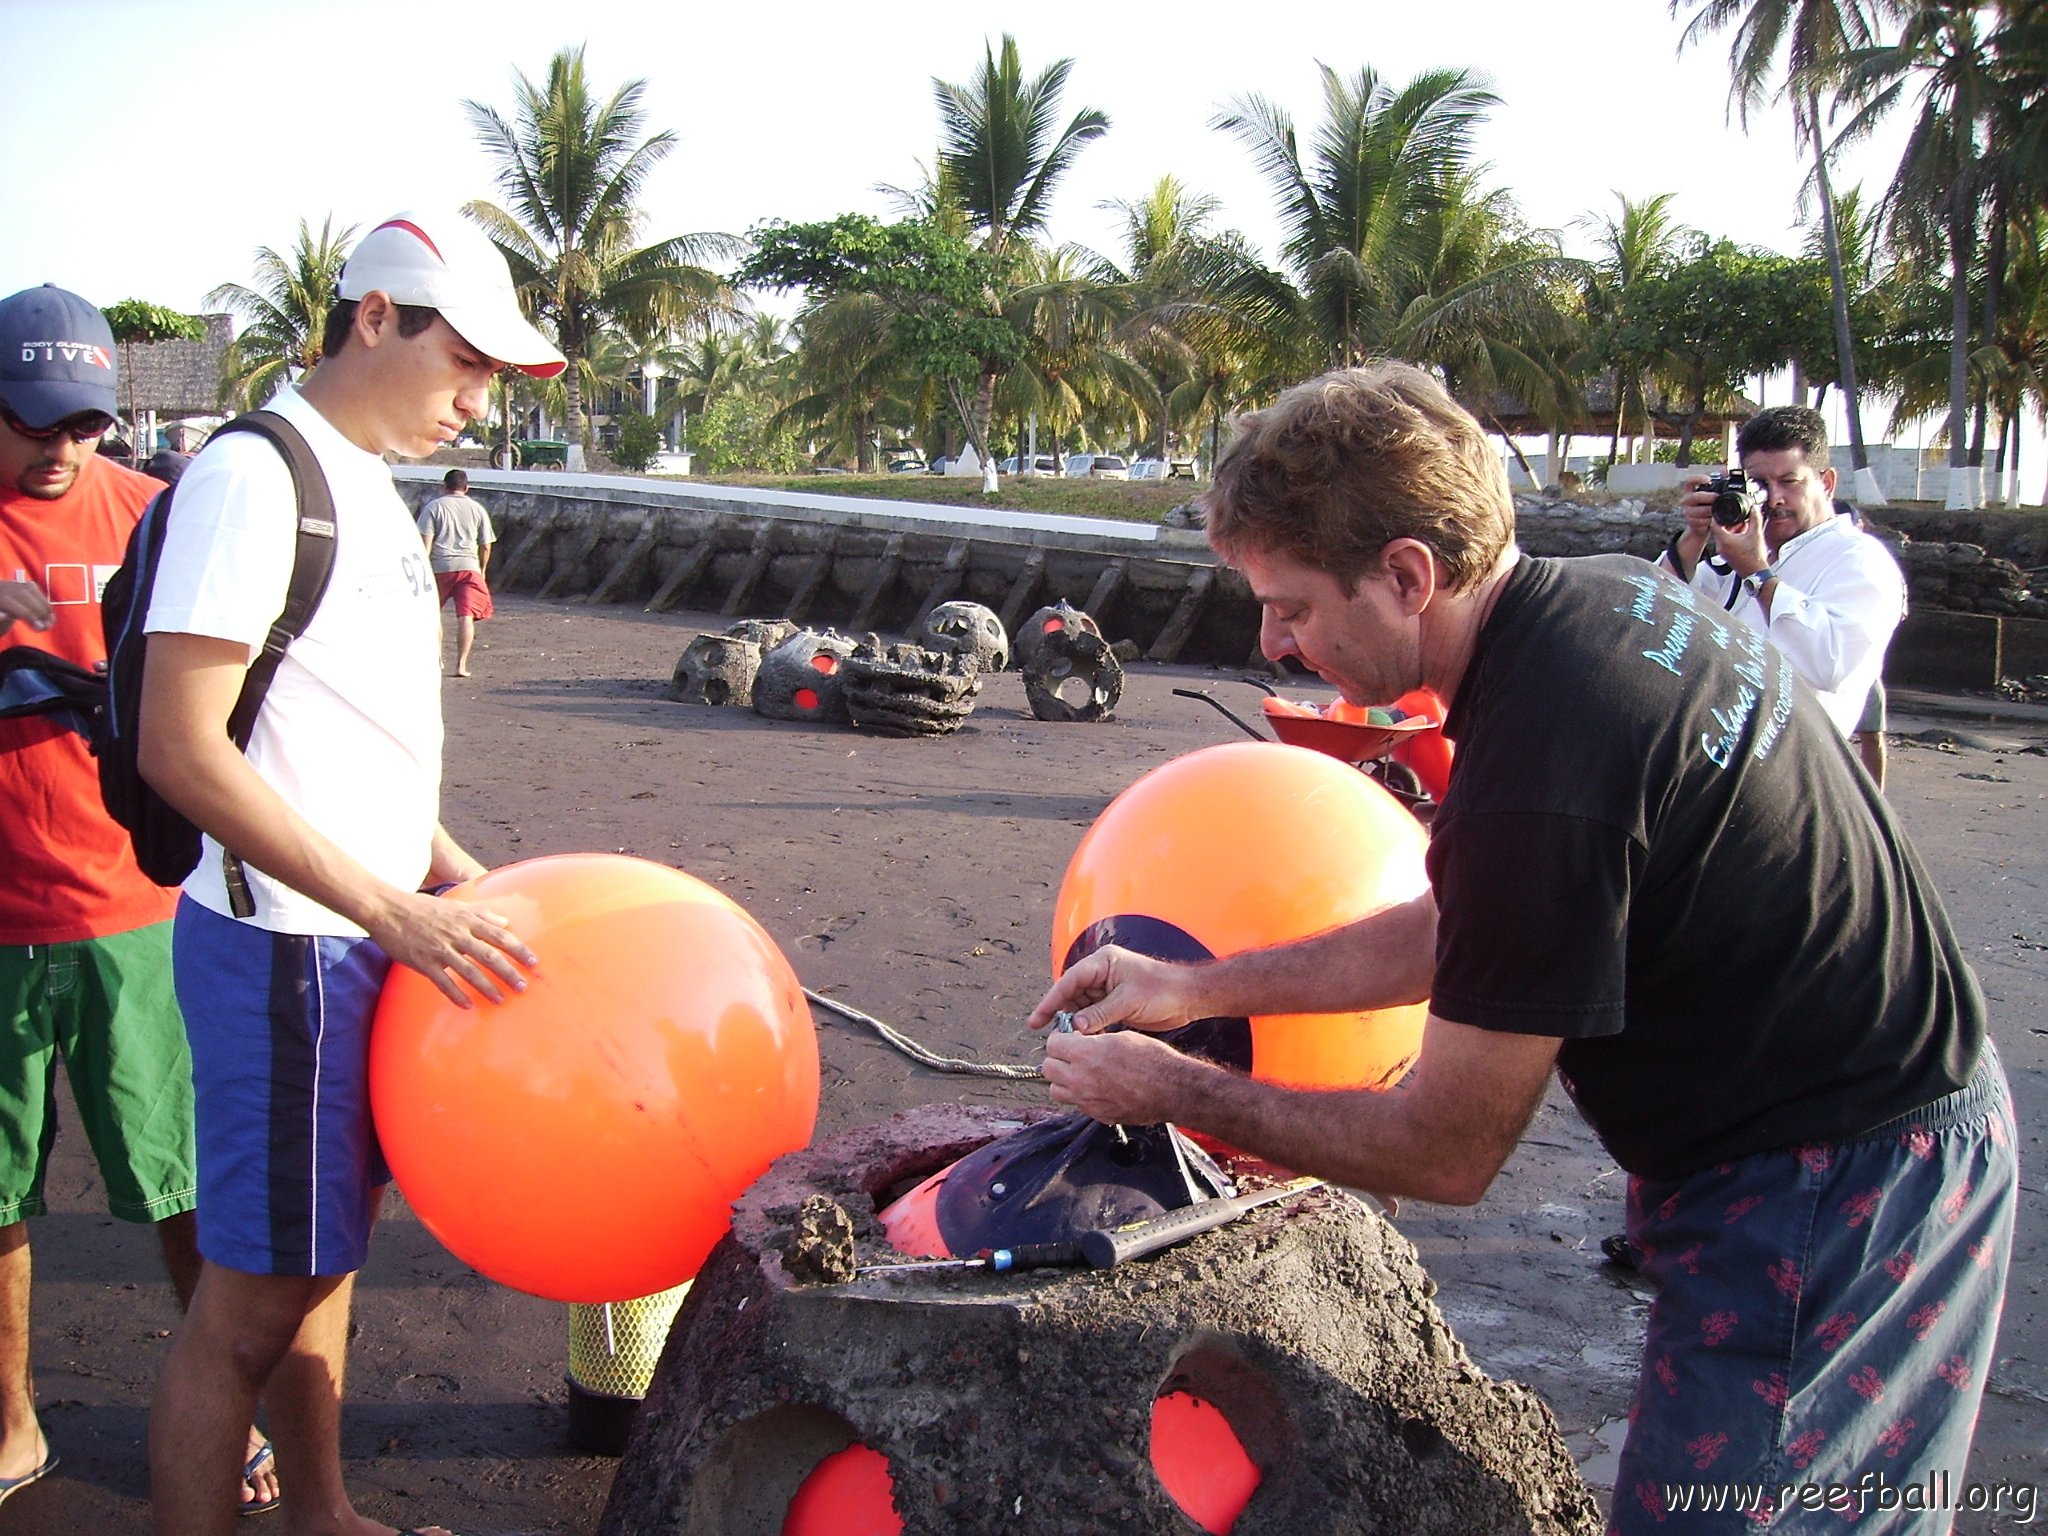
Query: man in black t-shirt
point(1656, 872)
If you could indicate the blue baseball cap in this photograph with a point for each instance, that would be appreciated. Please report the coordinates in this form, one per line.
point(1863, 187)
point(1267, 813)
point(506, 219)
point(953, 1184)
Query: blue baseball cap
point(56, 356)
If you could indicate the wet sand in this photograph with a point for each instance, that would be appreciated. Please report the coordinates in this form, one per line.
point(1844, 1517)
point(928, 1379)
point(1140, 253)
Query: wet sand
point(915, 880)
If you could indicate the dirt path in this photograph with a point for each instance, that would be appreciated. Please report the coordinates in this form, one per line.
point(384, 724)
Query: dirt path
point(915, 879)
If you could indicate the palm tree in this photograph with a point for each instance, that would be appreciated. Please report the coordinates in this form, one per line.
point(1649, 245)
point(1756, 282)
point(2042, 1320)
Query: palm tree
point(849, 380)
point(1642, 243)
point(1812, 35)
point(1351, 211)
point(1001, 154)
point(1392, 249)
point(1936, 194)
point(285, 314)
point(1496, 310)
point(1165, 234)
point(1071, 370)
point(572, 169)
point(1000, 150)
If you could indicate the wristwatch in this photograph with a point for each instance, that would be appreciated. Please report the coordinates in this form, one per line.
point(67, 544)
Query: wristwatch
point(1753, 583)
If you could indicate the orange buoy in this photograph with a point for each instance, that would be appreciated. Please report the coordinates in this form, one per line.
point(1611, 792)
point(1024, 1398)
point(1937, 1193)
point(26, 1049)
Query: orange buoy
point(1241, 847)
point(1200, 1462)
point(849, 1493)
point(584, 1140)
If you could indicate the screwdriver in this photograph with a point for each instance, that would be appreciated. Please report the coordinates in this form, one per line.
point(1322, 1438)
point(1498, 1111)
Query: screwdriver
point(1000, 1260)
point(1142, 1238)
point(1101, 1249)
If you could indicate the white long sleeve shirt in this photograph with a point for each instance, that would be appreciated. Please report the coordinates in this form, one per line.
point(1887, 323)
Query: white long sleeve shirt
point(1838, 598)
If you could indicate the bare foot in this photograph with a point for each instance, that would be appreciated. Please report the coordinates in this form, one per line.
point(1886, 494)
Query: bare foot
point(462, 671)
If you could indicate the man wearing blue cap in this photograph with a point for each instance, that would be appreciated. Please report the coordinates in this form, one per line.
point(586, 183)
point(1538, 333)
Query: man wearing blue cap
point(85, 962)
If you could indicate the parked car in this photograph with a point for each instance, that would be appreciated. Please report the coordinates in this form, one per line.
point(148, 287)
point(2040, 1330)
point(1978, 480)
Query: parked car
point(1148, 469)
point(906, 466)
point(1045, 464)
point(1078, 465)
point(1108, 466)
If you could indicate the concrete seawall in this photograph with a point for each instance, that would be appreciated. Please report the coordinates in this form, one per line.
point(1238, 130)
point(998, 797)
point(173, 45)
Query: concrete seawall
point(859, 564)
point(853, 563)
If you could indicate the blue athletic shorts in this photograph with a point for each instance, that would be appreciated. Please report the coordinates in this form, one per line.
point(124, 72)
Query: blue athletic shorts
point(1823, 1327)
point(289, 1167)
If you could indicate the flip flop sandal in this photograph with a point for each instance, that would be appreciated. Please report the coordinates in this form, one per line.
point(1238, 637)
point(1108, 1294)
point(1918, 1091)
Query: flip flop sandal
point(12, 1485)
point(266, 1455)
point(1621, 1253)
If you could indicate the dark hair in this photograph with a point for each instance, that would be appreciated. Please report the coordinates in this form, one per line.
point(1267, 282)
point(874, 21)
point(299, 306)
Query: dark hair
point(455, 482)
point(412, 319)
point(1785, 426)
point(1339, 467)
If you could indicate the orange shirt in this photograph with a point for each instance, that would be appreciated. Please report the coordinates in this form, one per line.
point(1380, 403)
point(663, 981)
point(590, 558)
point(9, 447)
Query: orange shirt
point(66, 871)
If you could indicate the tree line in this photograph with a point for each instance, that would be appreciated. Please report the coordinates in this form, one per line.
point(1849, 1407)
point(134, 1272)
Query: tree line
point(956, 319)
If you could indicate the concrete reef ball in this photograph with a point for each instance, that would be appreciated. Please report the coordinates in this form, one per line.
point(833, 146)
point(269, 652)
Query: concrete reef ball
point(972, 628)
point(1073, 675)
point(1031, 1403)
point(905, 690)
point(1060, 618)
point(716, 669)
point(584, 1139)
point(803, 679)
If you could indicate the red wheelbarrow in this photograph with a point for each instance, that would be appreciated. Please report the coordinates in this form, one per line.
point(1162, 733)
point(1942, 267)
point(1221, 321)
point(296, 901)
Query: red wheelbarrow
point(1406, 754)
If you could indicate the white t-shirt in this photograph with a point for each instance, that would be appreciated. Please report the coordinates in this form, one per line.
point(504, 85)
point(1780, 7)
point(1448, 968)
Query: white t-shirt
point(350, 732)
point(1838, 599)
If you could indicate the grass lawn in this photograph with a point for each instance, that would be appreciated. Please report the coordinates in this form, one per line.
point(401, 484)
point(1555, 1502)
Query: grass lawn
point(1144, 502)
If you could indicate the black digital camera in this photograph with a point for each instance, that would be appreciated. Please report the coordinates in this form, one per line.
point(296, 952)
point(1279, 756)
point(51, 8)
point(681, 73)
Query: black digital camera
point(1735, 498)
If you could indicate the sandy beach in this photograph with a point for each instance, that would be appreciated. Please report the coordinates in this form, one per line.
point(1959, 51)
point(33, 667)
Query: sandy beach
point(915, 880)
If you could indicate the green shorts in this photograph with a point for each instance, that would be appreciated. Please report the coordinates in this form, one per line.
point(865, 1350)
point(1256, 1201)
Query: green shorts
point(108, 1006)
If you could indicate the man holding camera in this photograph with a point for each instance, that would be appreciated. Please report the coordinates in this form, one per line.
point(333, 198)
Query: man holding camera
point(1822, 1155)
point(1826, 593)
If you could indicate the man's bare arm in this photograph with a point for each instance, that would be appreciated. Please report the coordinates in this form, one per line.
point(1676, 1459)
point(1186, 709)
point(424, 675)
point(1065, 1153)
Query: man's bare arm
point(189, 690)
point(1442, 1135)
point(1380, 961)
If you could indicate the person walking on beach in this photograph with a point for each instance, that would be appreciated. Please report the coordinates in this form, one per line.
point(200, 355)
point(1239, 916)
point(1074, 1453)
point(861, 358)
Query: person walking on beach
point(333, 817)
point(458, 535)
point(85, 936)
point(1657, 873)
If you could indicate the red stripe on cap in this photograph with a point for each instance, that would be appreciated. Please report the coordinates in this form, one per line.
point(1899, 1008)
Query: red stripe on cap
point(417, 233)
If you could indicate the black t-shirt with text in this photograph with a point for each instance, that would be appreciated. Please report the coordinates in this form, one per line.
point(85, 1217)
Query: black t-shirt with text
point(1656, 847)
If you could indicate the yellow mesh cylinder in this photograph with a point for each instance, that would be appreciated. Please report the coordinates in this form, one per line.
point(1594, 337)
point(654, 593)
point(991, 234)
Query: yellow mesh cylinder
point(614, 1347)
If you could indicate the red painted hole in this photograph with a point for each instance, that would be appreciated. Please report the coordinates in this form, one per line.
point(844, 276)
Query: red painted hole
point(825, 662)
point(849, 1493)
point(806, 699)
point(1054, 626)
point(1200, 1462)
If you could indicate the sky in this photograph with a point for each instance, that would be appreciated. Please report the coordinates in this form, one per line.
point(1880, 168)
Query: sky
point(154, 145)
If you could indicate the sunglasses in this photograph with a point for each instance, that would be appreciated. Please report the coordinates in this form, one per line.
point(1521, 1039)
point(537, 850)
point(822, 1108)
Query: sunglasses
point(82, 428)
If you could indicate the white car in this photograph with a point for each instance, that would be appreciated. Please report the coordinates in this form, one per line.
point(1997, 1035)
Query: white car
point(1107, 466)
point(1078, 465)
point(1148, 469)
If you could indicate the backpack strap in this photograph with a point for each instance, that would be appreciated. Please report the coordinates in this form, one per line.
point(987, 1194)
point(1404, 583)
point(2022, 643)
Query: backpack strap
point(312, 566)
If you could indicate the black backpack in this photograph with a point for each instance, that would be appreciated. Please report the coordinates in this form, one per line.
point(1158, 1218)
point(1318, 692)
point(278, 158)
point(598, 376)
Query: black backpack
point(106, 706)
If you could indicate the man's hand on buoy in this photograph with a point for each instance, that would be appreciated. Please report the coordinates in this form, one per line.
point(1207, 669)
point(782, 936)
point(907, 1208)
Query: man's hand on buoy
point(1118, 986)
point(1121, 1078)
point(452, 942)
